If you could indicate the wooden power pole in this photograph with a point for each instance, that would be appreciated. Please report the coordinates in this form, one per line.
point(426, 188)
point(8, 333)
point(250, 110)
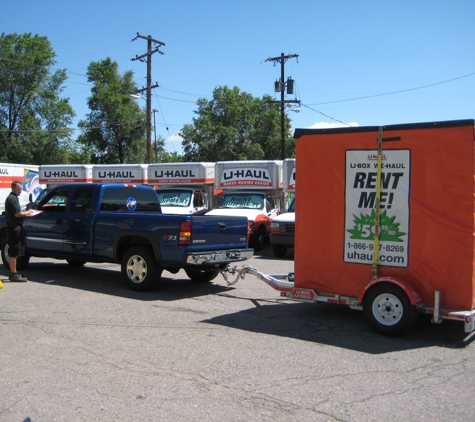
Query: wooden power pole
point(281, 87)
point(153, 46)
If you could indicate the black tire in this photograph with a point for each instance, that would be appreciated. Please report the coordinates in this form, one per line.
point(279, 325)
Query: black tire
point(388, 310)
point(258, 239)
point(75, 262)
point(279, 250)
point(200, 275)
point(139, 269)
point(22, 261)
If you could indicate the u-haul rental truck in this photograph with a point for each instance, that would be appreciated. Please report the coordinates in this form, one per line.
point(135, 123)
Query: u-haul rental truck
point(57, 174)
point(385, 222)
point(282, 234)
point(120, 173)
point(184, 188)
point(252, 189)
point(24, 173)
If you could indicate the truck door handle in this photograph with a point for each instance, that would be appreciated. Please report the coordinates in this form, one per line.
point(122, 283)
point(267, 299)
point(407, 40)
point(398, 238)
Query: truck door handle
point(222, 226)
point(59, 221)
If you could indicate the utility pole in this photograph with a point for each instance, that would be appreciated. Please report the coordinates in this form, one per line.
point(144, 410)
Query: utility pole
point(153, 46)
point(155, 134)
point(280, 86)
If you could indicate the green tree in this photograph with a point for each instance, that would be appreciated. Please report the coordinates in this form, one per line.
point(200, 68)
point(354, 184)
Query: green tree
point(34, 119)
point(234, 125)
point(114, 132)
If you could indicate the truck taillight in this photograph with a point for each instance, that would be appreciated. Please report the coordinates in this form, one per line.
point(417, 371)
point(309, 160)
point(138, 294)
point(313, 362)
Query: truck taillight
point(185, 233)
point(248, 231)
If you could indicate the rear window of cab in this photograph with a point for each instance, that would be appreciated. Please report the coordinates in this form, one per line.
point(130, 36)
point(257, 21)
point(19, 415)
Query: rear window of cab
point(129, 200)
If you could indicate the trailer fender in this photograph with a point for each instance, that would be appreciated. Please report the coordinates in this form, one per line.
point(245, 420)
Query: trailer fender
point(411, 293)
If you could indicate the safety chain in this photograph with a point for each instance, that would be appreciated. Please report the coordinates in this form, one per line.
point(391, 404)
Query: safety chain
point(240, 273)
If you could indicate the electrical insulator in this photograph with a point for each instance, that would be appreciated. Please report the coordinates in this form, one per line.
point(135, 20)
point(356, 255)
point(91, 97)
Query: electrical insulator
point(277, 86)
point(290, 86)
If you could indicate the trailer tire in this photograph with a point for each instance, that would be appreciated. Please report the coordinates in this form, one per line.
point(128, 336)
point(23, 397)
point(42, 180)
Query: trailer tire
point(388, 310)
point(139, 269)
point(21, 261)
point(200, 275)
point(279, 250)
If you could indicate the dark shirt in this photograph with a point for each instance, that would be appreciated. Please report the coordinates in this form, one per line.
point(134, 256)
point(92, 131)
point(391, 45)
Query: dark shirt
point(12, 207)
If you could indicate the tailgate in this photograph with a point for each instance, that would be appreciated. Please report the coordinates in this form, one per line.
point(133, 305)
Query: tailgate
point(218, 232)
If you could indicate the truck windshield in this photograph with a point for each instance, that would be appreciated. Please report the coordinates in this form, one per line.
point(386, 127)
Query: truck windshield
point(241, 200)
point(170, 198)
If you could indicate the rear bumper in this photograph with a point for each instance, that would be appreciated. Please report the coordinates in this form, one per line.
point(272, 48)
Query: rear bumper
point(219, 257)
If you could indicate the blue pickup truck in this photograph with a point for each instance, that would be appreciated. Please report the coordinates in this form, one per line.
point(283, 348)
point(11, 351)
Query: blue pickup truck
point(89, 222)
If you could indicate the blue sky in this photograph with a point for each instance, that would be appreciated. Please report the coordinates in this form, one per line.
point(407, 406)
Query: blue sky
point(361, 62)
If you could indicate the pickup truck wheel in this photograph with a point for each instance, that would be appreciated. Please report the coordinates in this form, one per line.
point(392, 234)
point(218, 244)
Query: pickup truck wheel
point(388, 310)
point(139, 269)
point(279, 250)
point(75, 262)
point(21, 261)
point(258, 240)
point(202, 276)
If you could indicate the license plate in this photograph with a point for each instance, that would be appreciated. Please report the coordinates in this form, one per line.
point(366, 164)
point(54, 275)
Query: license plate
point(220, 256)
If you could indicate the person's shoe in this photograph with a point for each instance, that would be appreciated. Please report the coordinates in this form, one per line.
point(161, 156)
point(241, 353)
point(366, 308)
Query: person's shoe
point(16, 278)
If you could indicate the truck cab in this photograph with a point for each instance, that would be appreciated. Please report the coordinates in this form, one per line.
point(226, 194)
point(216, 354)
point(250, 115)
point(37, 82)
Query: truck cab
point(260, 207)
point(188, 200)
point(282, 234)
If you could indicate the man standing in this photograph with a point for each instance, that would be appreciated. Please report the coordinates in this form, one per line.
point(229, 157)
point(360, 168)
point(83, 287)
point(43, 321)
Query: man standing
point(14, 221)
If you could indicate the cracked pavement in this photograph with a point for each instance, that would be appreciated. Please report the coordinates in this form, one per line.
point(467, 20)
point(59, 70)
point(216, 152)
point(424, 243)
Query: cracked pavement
point(79, 346)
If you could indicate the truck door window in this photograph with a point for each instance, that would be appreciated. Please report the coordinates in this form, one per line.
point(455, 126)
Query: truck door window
point(198, 200)
point(81, 202)
point(57, 201)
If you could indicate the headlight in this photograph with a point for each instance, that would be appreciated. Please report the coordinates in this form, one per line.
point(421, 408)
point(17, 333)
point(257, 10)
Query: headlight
point(274, 225)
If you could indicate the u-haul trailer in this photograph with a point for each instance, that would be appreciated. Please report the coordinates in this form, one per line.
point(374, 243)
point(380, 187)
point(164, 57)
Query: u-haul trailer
point(184, 188)
point(24, 173)
point(252, 189)
point(385, 222)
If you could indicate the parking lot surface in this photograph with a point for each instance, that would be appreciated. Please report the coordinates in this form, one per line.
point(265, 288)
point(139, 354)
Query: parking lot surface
point(77, 345)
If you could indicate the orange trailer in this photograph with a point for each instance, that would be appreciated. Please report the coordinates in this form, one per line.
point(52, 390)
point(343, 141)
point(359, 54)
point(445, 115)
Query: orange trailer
point(385, 222)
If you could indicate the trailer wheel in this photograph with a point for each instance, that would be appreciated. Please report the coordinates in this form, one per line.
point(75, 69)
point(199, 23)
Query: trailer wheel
point(279, 250)
point(202, 276)
point(139, 269)
point(21, 261)
point(388, 310)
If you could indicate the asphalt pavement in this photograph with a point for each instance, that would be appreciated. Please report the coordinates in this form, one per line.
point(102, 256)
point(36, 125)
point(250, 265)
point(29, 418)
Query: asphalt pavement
point(78, 345)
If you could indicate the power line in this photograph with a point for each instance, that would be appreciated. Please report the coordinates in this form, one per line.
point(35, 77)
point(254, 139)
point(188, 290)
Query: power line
point(397, 92)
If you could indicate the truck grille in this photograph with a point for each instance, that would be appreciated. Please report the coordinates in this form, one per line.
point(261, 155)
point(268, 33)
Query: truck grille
point(287, 228)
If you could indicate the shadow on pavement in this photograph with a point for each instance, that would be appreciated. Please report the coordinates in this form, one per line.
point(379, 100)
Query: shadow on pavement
point(340, 326)
point(108, 281)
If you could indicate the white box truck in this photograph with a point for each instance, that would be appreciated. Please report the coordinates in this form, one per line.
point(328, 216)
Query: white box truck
point(184, 188)
point(24, 173)
point(120, 173)
point(252, 189)
point(58, 174)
